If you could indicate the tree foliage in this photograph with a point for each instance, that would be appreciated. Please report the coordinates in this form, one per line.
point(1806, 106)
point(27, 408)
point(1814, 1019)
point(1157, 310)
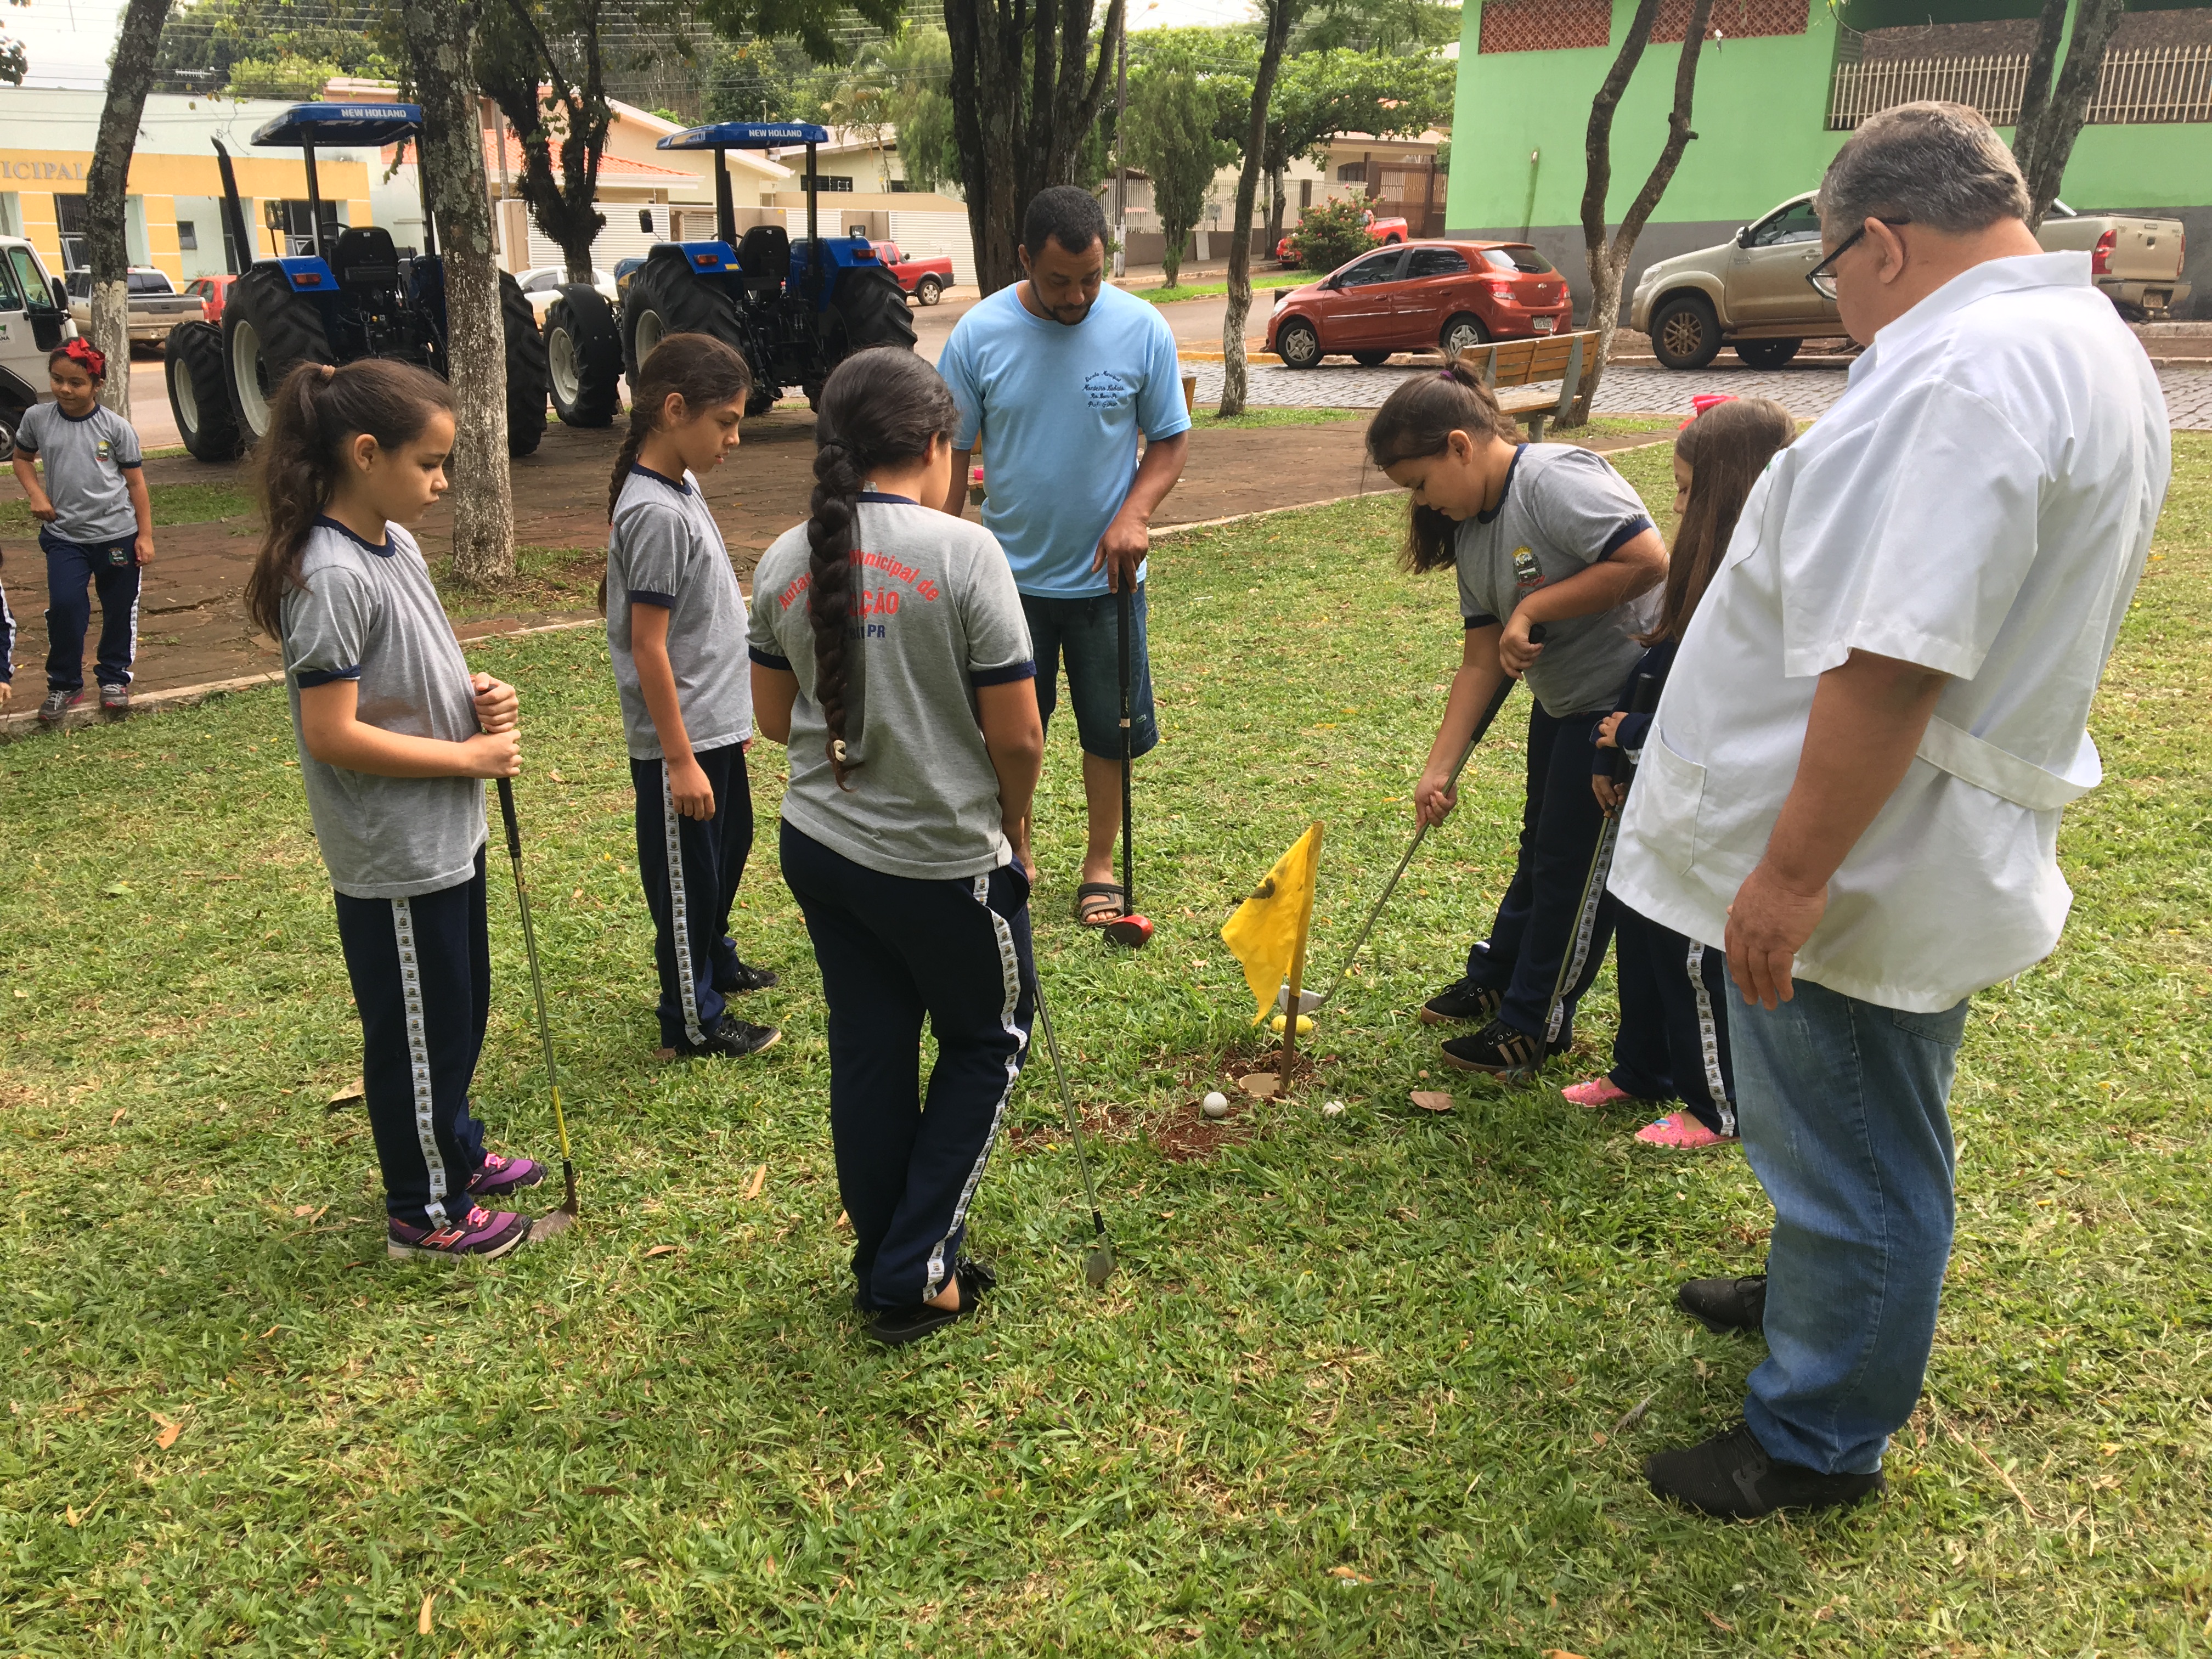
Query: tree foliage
point(250, 48)
point(813, 24)
point(1332, 233)
point(1172, 135)
point(544, 63)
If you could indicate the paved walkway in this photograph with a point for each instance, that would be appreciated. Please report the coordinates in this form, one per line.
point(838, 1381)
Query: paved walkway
point(1628, 390)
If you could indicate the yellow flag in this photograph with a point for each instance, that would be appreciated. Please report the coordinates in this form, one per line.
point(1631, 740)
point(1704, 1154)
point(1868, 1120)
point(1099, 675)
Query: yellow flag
point(1269, 928)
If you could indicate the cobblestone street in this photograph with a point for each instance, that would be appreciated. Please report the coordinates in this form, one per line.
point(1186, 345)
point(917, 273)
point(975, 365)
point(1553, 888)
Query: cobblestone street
point(1629, 390)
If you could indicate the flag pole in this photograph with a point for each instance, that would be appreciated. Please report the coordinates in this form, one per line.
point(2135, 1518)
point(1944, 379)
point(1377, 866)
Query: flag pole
point(1299, 962)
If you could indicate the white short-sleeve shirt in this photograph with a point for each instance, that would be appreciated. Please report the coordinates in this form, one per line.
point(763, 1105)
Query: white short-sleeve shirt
point(1980, 502)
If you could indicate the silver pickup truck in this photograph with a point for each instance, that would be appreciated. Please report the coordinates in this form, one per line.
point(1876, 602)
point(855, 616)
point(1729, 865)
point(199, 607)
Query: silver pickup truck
point(156, 306)
point(1751, 293)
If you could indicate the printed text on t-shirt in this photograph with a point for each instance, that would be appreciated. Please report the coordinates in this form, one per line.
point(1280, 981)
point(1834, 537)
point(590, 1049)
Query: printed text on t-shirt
point(891, 567)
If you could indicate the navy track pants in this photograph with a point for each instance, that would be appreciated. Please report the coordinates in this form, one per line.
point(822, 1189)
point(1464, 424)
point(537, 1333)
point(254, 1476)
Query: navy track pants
point(421, 970)
point(892, 951)
point(690, 868)
point(112, 569)
point(1673, 1044)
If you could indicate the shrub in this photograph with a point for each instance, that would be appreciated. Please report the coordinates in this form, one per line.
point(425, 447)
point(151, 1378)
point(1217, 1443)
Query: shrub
point(1331, 232)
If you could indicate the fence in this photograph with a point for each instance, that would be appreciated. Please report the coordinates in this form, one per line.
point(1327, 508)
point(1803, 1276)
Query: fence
point(2148, 84)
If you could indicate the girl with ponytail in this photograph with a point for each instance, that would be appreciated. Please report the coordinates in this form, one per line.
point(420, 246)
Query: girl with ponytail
point(396, 738)
point(674, 621)
point(890, 655)
point(1545, 533)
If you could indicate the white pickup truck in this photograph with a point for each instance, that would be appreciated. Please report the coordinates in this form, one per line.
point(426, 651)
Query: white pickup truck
point(2137, 262)
point(33, 321)
point(156, 306)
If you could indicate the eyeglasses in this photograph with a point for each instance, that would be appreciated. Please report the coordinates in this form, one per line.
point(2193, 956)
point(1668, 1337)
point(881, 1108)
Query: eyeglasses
point(1822, 276)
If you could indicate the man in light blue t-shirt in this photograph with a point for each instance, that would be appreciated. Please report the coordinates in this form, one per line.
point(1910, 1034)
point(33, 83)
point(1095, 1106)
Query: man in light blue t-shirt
point(1056, 377)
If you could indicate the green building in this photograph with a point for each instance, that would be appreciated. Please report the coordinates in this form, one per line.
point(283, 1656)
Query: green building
point(1780, 85)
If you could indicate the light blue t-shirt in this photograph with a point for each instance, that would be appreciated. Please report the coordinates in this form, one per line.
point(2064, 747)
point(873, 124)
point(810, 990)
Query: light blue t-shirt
point(1058, 410)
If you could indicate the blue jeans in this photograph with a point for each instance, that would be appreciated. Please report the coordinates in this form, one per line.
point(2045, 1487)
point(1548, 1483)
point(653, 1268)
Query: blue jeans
point(1088, 633)
point(112, 568)
point(1842, 1105)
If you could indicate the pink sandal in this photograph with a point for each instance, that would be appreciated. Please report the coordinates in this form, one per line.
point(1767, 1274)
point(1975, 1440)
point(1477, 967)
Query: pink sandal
point(1683, 1133)
point(1598, 1091)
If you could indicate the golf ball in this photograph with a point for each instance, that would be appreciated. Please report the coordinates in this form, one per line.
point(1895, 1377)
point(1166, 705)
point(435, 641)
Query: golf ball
point(1333, 1109)
point(1215, 1104)
point(1306, 1024)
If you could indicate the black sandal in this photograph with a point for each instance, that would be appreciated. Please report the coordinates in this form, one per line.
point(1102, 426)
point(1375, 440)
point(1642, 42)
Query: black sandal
point(1101, 904)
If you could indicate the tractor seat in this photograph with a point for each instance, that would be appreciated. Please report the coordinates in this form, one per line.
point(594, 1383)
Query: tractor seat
point(764, 258)
point(363, 257)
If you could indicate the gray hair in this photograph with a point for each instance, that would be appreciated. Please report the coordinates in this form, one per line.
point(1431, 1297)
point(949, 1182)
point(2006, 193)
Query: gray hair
point(1938, 165)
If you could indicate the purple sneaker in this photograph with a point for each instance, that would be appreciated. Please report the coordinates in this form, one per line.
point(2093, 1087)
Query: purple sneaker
point(501, 1175)
point(484, 1233)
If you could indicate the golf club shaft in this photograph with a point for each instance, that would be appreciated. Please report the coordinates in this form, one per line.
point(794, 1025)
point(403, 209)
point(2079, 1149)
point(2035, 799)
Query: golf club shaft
point(1129, 835)
point(1066, 1099)
point(530, 950)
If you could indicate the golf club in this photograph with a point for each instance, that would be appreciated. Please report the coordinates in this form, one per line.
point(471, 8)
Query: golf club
point(1307, 1001)
point(1098, 1264)
point(1640, 701)
point(1130, 929)
point(559, 1220)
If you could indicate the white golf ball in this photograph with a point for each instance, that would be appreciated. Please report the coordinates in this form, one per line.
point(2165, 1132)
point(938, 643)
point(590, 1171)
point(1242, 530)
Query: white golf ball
point(1215, 1104)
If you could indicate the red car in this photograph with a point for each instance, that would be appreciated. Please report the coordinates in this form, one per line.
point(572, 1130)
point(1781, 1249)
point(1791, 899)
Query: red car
point(1420, 297)
point(210, 292)
point(925, 278)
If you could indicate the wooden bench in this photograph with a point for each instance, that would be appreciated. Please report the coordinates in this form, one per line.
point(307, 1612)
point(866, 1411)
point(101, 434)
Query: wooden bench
point(1533, 362)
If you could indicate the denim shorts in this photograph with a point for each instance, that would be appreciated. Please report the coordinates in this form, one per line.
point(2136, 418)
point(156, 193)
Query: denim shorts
point(1087, 632)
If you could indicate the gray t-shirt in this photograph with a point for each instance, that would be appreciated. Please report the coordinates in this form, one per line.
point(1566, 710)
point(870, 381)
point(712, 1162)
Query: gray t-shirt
point(369, 614)
point(666, 549)
point(85, 461)
point(1564, 509)
point(936, 614)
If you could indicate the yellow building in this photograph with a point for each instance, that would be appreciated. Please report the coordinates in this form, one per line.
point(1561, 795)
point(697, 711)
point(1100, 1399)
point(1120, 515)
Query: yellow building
point(173, 220)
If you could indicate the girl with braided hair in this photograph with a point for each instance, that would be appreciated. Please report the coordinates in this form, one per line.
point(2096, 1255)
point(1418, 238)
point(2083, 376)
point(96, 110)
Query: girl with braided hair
point(674, 618)
point(891, 655)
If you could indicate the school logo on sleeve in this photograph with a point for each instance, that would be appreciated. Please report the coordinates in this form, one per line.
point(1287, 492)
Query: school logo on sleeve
point(1528, 574)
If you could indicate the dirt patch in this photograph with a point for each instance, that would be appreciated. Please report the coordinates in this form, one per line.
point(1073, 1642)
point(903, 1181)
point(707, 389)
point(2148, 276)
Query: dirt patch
point(1187, 1135)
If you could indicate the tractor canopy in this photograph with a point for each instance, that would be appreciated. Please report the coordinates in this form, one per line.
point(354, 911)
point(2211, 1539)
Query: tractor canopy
point(305, 125)
point(746, 135)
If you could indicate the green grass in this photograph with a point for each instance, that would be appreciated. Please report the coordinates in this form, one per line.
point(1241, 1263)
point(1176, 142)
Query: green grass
point(1166, 296)
point(1257, 414)
point(546, 579)
point(173, 504)
point(1357, 1389)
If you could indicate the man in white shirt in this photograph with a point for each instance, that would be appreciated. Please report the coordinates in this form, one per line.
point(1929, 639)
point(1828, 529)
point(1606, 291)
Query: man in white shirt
point(1854, 780)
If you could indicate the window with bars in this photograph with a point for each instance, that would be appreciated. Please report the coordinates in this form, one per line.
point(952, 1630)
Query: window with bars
point(1547, 25)
point(1731, 19)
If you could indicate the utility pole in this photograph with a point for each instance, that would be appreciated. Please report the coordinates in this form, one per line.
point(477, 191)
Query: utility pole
point(1122, 161)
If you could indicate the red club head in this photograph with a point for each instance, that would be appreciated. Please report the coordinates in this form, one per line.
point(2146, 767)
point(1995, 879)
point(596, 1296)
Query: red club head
point(1133, 931)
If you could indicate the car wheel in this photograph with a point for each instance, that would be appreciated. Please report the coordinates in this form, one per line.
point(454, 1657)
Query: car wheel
point(1462, 333)
point(1370, 359)
point(929, 290)
point(1766, 354)
point(1684, 332)
point(1297, 345)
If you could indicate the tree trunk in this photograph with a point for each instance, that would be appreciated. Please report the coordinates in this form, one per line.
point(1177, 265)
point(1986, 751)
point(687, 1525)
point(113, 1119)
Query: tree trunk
point(2051, 118)
point(1240, 229)
point(452, 150)
point(106, 193)
point(561, 184)
point(1024, 99)
point(1276, 181)
point(1608, 263)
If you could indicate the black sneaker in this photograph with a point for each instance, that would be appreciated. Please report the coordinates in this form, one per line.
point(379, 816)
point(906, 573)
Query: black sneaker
point(114, 699)
point(898, 1326)
point(745, 977)
point(58, 702)
point(1498, 1048)
point(731, 1039)
point(1731, 1476)
point(1460, 999)
point(1726, 1305)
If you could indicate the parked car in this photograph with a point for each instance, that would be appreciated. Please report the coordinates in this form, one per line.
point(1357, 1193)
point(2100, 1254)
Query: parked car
point(1385, 231)
point(210, 292)
point(923, 279)
point(34, 319)
point(1421, 296)
point(156, 306)
point(542, 286)
point(1751, 293)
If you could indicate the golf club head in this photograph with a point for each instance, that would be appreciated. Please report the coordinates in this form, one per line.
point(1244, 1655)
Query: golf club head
point(555, 1222)
point(1098, 1267)
point(1307, 1001)
point(1133, 931)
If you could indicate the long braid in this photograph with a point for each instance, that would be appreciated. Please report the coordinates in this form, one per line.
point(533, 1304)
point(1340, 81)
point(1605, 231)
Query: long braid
point(830, 592)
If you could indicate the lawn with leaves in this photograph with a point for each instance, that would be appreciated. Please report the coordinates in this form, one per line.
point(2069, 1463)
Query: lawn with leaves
point(1366, 1384)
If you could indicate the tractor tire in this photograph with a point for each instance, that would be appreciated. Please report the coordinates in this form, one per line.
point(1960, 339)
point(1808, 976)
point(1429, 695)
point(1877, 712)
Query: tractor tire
point(1766, 354)
point(870, 311)
point(1684, 331)
point(583, 356)
point(199, 399)
point(526, 370)
point(266, 330)
point(666, 298)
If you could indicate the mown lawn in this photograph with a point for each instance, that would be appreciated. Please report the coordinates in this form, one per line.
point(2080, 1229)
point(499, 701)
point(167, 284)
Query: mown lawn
point(1364, 1384)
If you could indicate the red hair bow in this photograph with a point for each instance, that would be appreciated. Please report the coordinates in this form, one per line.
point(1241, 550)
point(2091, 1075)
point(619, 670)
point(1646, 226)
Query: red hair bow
point(90, 356)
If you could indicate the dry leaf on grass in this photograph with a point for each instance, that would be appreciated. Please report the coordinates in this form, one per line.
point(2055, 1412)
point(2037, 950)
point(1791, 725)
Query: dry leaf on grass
point(1350, 1575)
point(423, 1619)
point(843, 1221)
point(118, 1118)
point(659, 1250)
point(353, 1090)
point(1431, 1100)
point(1559, 1653)
point(170, 1430)
point(1718, 1622)
point(753, 1186)
point(72, 1516)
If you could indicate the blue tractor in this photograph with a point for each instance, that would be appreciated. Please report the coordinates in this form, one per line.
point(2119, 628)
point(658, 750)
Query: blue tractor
point(793, 311)
point(349, 296)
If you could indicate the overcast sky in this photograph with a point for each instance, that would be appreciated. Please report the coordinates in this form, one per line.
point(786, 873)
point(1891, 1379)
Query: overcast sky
point(69, 40)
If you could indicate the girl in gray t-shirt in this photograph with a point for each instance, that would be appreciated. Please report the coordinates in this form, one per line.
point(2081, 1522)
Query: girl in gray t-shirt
point(890, 653)
point(1543, 534)
point(395, 738)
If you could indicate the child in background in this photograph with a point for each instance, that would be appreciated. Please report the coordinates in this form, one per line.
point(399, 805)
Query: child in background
point(1673, 1042)
point(97, 527)
point(1539, 533)
point(395, 738)
point(676, 631)
point(898, 824)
